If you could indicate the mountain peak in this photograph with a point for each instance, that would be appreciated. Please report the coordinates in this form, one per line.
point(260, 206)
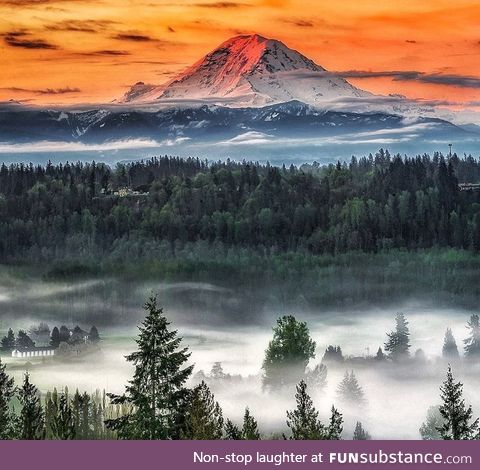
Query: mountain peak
point(251, 70)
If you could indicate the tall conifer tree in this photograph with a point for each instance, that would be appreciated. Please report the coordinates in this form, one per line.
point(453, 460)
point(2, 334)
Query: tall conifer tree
point(157, 393)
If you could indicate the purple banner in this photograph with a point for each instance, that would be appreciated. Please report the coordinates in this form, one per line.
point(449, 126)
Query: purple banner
point(185, 455)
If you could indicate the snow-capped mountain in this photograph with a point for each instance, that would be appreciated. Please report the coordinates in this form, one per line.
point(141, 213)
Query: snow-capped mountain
point(250, 71)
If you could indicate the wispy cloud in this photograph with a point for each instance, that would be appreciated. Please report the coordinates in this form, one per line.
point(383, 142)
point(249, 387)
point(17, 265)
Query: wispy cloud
point(221, 5)
point(82, 26)
point(105, 52)
point(461, 81)
point(24, 40)
point(132, 37)
point(43, 91)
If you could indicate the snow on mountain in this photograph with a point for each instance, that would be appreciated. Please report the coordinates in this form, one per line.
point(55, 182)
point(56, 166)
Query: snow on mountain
point(250, 71)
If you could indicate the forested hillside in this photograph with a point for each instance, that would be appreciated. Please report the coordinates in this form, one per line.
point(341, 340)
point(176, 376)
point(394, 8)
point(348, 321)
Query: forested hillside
point(373, 203)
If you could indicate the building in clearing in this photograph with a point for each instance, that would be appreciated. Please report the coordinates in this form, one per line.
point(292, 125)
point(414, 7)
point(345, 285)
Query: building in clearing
point(33, 352)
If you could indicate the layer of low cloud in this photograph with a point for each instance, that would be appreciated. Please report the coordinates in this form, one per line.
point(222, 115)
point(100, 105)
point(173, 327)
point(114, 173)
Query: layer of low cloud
point(456, 80)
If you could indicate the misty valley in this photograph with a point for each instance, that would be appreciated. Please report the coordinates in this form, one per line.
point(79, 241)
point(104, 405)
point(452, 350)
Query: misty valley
point(316, 302)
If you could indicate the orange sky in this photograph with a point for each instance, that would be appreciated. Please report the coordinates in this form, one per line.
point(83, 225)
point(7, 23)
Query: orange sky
point(78, 51)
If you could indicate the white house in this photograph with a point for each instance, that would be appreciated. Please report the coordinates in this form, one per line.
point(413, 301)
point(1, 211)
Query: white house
point(33, 352)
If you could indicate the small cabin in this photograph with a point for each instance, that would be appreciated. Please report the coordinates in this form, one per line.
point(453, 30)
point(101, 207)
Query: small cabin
point(33, 352)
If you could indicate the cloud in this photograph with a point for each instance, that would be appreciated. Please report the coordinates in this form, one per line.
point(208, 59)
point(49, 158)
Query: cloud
point(132, 37)
point(24, 40)
point(105, 52)
point(81, 26)
point(48, 146)
point(44, 91)
point(303, 23)
point(460, 81)
point(222, 5)
point(249, 138)
point(411, 41)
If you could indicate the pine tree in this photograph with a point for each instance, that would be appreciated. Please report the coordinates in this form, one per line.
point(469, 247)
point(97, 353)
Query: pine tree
point(449, 350)
point(303, 420)
point(85, 431)
point(217, 372)
point(51, 413)
point(55, 338)
point(232, 432)
point(429, 429)
point(335, 426)
point(156, 393)
point(8, 341)
point(398, 342)
point(23, 340)
point(333, 354)
point(288, 353)
point(250, 430)
point(63, 422)
point(472, 343)
point(93, 335)
point(7, 392)
point(31, 421)
point(360, 434)
point(349, 390)
point(457, 417)
point(380, 356)
point(204, 420)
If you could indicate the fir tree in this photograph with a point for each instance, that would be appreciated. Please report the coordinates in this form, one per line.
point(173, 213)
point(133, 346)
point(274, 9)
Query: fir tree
point(250, 430)
point(51, 413)
point(84, 428)
point(380, 356)
point(349, 390)
point(398, 342)
point(31, 421)
point(156, 393)
point(457, 417)
point(335, 426)
point(55, 338)
point(93, 335)
point(232, 432)
point(303, 420)
point(63, 422)
point(204, 420)
point(8, 341)
point(472, 343)
point(217, 372)
point(333, 354)
point(288, 353)
point(360, 434)
point(429, 430)
point(449, 350)
point(7, 392)
point(23, 340)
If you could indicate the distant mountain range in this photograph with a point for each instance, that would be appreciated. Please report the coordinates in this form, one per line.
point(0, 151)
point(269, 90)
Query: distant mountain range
point(248, 94)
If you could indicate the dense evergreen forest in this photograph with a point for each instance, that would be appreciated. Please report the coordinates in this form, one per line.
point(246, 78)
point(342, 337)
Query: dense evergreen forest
point(373, 203)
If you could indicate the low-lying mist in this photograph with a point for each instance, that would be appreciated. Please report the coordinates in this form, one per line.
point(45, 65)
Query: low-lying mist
point(206, 316)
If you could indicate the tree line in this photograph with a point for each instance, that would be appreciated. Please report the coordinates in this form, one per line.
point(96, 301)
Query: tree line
point(371, 203)
point(43, 335)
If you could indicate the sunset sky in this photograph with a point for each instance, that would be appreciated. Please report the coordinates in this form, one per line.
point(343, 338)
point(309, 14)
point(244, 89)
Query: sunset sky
point(84, 51)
